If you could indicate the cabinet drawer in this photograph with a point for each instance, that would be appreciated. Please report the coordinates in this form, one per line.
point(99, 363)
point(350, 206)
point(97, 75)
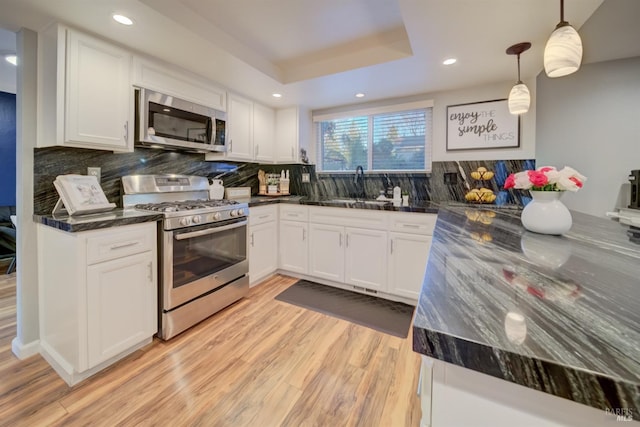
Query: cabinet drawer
point(262, 214)
point(294, 213)
point(361, 218)
point(119, 242)
point(416, 223)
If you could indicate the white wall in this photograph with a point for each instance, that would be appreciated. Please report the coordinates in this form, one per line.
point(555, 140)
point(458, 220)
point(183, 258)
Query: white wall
point(26, 342)
point(590, 120)
point(441, 100)
point(8, 73)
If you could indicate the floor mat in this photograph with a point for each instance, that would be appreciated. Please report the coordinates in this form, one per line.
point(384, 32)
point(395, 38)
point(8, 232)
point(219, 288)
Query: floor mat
point(393, 318)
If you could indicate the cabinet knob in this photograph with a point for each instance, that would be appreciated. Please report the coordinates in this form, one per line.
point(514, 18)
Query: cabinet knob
point(126, 131)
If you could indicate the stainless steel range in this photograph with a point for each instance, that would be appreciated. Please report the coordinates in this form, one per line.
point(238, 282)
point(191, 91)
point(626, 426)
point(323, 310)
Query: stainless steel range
point(202, 247)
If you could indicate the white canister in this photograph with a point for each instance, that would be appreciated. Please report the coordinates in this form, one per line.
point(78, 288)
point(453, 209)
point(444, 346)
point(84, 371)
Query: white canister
point(216, 190)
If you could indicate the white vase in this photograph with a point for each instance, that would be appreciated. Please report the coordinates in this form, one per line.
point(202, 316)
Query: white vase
point(546, 214)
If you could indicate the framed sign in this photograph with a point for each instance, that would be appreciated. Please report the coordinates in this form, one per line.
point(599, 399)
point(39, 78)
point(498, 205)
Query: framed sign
point(482, 126)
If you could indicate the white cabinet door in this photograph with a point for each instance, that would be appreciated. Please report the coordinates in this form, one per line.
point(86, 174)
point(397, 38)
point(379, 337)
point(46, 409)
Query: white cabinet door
point(294, 255)
point(366, 258)
point(121, 305)
point(407, 263)
point(326, 249)
point(98, 94)
point(240, 123)
point(264, 122)
point(287, 135)
point(263, 250)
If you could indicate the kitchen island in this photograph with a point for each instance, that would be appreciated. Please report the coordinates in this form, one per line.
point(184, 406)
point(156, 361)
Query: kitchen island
point(555, 314)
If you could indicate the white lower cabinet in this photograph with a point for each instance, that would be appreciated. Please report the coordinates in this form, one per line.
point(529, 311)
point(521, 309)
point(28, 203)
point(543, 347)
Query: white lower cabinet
point(367, 250)
point(120, 316)
point(366, 258)
point(349, 255)
point(263, 251)
point(98, 296)
point(294, 247)
point(408, 255)
point(326, 246)
point(263, 242)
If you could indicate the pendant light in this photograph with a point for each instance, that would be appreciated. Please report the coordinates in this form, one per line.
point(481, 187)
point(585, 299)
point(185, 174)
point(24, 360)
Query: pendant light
point(519, 98)
point(563, 53)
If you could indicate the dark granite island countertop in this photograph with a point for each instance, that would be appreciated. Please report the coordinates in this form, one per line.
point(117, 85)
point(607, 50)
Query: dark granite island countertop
point(559, 314)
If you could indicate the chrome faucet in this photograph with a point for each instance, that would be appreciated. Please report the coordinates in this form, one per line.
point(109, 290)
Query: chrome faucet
point(358, 180)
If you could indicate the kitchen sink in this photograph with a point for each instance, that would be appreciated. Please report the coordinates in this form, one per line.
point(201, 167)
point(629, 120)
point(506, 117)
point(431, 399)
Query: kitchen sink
point(359, 201)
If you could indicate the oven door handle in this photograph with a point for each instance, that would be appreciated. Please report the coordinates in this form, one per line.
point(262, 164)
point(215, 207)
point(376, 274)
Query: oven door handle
point(213, 230)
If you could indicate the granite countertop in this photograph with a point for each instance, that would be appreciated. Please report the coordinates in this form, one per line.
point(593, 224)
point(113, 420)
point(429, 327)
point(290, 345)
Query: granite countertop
point(114, 218)
point(420, 206)
point(559, 314)
point(119, 217)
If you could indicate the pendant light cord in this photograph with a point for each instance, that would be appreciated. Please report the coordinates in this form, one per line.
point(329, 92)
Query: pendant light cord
point(562, 22)
point(519, 81)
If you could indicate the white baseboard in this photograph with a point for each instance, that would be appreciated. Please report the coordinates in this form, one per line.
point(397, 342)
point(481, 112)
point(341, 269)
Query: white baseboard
point(24, 351)
point(68, 373)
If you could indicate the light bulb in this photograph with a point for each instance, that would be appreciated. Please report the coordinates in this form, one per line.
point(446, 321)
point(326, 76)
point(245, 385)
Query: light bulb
point(519, 99)
point(563, 52)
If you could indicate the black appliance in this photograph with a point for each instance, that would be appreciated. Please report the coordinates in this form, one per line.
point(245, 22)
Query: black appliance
point(634, 179)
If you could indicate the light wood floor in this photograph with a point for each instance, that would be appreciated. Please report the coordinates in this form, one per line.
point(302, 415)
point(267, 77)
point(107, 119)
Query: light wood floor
point(260, 362)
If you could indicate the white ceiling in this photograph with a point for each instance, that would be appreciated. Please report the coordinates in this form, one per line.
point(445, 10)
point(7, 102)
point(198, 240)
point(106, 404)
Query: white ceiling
point(320, 53)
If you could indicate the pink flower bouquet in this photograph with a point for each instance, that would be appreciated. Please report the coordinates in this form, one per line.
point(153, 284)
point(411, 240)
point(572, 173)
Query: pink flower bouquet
point(546, 178)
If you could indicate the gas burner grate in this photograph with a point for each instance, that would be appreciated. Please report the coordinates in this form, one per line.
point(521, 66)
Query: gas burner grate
point(186, 205)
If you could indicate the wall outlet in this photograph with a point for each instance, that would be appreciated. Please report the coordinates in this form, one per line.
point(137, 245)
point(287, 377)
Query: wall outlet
point(95, 172)
point(305, 177)
point(451, 178)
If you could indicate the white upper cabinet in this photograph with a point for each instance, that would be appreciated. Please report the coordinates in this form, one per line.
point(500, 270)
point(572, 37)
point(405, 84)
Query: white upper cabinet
point(264, 124)
point(287, 135)
point(293, 131)
point(239, 128)
point(170, 80)
point(98, 94)
point(85, 91)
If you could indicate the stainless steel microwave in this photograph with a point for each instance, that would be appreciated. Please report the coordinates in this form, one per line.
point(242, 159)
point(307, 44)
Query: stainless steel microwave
point(164, 121)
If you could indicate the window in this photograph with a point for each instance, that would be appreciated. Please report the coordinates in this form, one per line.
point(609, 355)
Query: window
point(395, 138)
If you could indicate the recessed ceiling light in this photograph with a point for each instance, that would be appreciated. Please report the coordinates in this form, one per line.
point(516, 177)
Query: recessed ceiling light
point(11, 59)
point(122, 19)
point(276, 95)
point(360, 95)
point(449, 61)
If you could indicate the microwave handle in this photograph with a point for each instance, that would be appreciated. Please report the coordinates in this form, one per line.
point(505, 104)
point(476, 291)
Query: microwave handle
point(211, 131)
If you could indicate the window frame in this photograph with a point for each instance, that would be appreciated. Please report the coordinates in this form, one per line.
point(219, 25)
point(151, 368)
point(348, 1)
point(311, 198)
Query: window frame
point(370, 113)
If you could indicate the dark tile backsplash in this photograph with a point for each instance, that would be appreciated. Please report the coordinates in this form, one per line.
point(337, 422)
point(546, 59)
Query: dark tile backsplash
point(447, 180)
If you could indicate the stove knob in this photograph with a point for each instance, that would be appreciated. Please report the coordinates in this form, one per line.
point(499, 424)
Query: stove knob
point(185, 221)
point(233, 213)
point(217, 216)
point(241, 212)
point(196, 219)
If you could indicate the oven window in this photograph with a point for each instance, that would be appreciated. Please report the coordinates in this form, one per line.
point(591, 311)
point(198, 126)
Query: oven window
point(198, 257)
point(169, 122)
